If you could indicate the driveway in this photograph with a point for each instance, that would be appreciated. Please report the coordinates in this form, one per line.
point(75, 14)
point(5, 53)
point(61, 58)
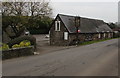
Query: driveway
point(44, 47)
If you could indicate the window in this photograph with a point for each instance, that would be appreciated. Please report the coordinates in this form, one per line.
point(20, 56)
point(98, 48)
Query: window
point(57, 25)
point(99, 36)
point(109, 35)
point(65, 35)
point(104, 35)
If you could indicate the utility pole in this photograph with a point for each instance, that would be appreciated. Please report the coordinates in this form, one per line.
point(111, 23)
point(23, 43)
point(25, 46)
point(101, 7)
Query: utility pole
point(77, 25)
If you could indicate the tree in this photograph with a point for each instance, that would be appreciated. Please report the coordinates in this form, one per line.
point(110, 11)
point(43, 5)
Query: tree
point(112, 25)
point(13, 8)
point(13, 22)
point(26, 8)
point(40, 8)
point(26, 14)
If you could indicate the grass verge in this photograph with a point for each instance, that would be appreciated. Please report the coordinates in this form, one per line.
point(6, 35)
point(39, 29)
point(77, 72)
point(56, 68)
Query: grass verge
point(91, 42)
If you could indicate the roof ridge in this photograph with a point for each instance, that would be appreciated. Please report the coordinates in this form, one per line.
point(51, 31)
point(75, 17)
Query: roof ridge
point(81, 17)
point(66, 15)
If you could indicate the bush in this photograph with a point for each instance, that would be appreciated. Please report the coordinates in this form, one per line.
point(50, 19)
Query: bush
point(116, 35)
point(38, 31)
point(4, 47)
point(20, 39)
point(16, 46)
point(25, 43)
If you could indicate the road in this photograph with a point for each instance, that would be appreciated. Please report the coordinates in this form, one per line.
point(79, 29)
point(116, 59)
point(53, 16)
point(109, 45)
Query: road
point(98, 59)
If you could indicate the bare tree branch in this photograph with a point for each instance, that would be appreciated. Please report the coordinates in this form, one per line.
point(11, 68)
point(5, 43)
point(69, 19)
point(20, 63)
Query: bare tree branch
point(26, 8)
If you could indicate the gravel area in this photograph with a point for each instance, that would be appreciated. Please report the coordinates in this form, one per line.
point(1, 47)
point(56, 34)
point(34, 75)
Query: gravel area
point(43, 45)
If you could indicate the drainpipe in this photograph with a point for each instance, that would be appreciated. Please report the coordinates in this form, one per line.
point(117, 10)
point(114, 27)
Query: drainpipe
point(77, 25)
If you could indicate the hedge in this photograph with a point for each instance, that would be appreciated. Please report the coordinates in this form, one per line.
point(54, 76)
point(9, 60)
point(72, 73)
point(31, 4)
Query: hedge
point(21, 38)
point(39, 31)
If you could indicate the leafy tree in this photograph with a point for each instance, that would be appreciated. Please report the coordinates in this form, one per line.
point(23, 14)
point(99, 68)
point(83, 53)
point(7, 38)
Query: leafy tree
point(112, 25)
point(32, 15)
point(15, 23)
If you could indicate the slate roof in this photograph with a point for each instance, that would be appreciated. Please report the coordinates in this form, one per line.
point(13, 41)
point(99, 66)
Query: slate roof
point(86, 25)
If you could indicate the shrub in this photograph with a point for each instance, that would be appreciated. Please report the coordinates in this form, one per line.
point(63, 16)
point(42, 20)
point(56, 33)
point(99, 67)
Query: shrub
point(4, 46)
point(38, 31)
point(22, 38)
point(16, 46)
point(25, 43)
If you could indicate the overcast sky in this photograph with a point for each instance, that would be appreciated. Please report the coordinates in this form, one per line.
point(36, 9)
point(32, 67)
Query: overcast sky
point(106, 10)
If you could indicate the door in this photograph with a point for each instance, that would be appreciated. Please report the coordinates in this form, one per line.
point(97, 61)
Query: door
point(65, 35)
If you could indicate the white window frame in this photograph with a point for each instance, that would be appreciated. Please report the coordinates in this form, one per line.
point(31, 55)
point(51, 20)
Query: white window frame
point(104, 35)
point(65, 35)
point(57, 25)
point(99, 36)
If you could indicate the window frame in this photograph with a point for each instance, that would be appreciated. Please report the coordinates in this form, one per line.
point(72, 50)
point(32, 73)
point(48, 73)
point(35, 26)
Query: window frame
point(104, 35)
point(57, 25)
point(99, 35)
point(66, 34)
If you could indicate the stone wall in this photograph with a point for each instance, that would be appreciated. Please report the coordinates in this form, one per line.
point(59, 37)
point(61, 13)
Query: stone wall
point(82, 38)
point(57, 37)
point(89, 37)
point(17, 52)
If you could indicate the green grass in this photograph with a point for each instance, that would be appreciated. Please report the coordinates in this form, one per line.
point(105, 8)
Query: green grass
point(96, 41)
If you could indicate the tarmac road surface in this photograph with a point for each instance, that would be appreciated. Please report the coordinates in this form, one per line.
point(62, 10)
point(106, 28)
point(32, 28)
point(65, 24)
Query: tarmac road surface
point(98, 59)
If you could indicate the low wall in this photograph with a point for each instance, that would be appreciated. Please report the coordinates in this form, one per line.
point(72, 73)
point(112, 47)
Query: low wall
point(17, 52)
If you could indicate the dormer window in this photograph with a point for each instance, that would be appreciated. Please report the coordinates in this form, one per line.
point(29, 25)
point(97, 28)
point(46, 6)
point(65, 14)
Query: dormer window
point(57, 25)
